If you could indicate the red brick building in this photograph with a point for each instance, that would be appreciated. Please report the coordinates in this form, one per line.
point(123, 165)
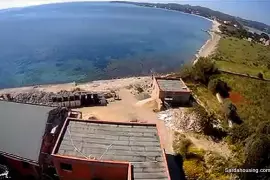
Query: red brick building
point(27, 136)
point(38, 141)
point(171, 90)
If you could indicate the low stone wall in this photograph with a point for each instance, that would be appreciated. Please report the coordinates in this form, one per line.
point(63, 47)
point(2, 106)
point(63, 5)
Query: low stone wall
point(243, 75)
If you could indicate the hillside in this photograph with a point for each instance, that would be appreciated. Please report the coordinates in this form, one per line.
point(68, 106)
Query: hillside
point(239, 55)
point(205, 12)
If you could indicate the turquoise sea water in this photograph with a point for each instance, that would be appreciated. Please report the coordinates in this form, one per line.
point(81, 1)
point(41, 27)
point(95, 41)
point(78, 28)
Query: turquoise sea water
point(66, 42)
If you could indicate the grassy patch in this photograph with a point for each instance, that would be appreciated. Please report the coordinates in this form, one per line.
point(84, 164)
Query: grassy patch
point(256, 107)
point(242, 68)
point(241, 56)
point(207, 98)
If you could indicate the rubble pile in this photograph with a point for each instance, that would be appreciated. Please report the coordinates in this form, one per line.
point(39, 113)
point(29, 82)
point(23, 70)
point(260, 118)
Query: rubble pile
point(144, 87)
point(180, 119)
point(40, 97)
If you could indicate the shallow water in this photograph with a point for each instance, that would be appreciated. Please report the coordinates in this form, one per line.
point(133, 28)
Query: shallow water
point(86, 41)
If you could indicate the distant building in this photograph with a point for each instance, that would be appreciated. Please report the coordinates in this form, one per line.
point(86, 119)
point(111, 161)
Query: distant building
point(89, 150)
point(27, 136)
point(250, 39)
point(172, 90)
point(267, 43)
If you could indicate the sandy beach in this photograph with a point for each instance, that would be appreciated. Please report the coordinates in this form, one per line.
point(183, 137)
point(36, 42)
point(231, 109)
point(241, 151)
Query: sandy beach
point(211, 44)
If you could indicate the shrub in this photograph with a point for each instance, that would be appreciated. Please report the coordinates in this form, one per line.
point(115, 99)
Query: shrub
point(201, 71)
point(139, 89)
point(215, 163)
point(230, 111)
point(206, 123)
point(260, 75)
point(194, 152)
point(257, 153)
point(212, 85)
point(263, 128)
point(181, 145)
point(239, 133)
point(194, 169)
point(219, 86)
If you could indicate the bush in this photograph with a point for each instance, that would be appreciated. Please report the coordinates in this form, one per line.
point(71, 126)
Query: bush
point(257, 153)
point(230, 111)
point(194, 169)
point(212, 85)
point(260, 75)
point(239, 133)
point(194, 152)
point(181, 145)
point(263, 128)
point(206, 123)
point(139, 89)
point(219, 86)
point(215, 163)
point(201, 71)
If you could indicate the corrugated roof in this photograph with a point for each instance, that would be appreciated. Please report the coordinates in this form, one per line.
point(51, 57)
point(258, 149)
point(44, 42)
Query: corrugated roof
point(172, 85)
point(137, 144)
point(21, 129)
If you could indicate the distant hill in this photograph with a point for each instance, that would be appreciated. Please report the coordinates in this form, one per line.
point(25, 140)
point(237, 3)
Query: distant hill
point(205, 12)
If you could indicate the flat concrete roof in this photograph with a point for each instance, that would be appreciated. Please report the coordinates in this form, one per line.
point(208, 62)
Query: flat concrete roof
point(137, 144)
point(22, 127)
point(172, 85)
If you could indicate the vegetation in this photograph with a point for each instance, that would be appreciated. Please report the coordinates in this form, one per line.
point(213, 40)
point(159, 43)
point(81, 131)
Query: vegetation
point(206, 12)
point(199, 164)
point(238, 55)
point(201, 71)
point(246, 104)
point(181, 145)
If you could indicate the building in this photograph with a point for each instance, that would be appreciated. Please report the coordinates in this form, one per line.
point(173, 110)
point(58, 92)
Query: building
point(39, 140)
point(172, 90)
point(27, 136)
point(99, 150)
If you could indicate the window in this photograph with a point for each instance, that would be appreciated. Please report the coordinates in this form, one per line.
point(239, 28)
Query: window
point(25, 165)
point(66, 167)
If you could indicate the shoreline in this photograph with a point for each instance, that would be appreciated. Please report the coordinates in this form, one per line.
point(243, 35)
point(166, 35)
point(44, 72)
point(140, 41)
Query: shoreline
point(210, 45)
point(207, 49)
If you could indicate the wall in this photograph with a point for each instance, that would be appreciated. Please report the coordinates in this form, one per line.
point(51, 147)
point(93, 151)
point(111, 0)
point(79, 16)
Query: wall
point(156, 90)
point(19, 167)
point(88, 169)
point(178, 97)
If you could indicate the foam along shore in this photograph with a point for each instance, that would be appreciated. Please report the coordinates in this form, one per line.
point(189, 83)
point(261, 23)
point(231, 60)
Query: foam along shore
point(211, 44)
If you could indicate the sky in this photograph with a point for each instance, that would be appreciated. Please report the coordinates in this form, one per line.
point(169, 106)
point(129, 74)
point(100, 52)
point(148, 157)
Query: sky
point(258, 10)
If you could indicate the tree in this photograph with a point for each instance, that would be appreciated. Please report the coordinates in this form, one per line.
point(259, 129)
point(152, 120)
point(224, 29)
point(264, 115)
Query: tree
point(265, 36)
point(260, 75)
point(230, 111)
point(203, 69)
point(219, 86)
point(258, 155)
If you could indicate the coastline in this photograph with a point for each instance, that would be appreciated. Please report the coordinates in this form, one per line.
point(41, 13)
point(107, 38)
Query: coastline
point(211, 44)
point(114, 84)
point(207, 49)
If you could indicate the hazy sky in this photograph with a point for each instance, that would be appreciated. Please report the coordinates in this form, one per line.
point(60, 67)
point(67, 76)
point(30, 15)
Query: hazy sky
point(258, 10)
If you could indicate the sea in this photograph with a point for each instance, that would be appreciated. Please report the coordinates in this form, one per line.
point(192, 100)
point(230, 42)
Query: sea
point(86, 41)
